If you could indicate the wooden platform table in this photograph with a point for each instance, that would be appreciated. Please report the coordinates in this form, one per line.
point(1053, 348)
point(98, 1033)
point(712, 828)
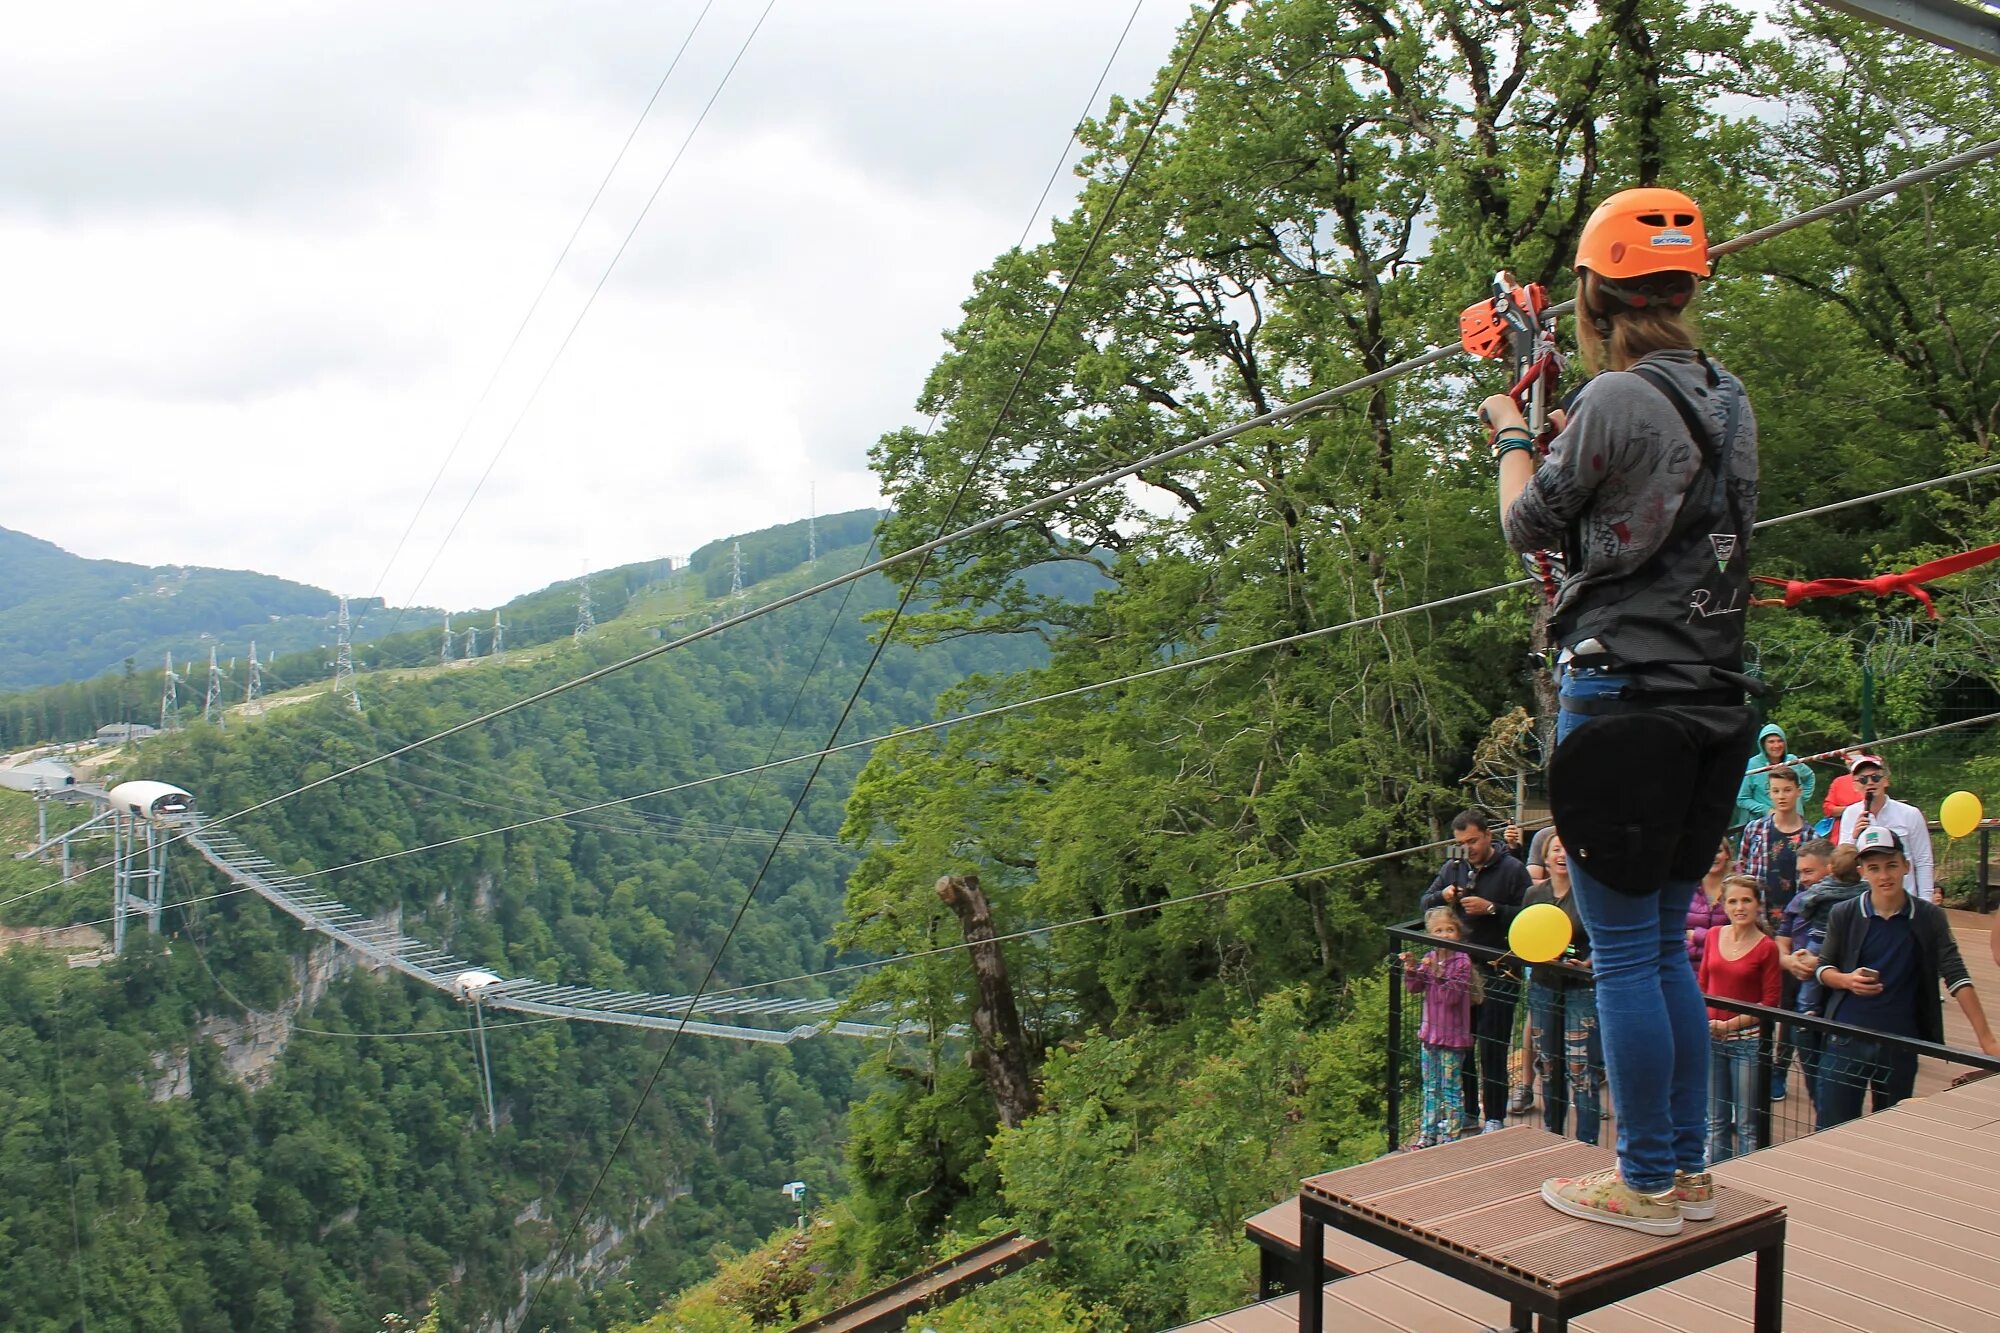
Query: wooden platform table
point(1473, 1210)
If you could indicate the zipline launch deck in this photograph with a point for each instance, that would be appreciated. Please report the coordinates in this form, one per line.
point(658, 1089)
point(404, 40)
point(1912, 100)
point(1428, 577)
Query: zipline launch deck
point(1473, 1210)
point(1892, 1222)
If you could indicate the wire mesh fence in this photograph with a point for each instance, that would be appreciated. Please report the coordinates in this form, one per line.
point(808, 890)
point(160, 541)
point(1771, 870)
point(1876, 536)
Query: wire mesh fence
point(1535, 1057)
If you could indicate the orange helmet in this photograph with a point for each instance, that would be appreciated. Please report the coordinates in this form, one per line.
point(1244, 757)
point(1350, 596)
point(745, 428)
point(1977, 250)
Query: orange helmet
point(1638, 232)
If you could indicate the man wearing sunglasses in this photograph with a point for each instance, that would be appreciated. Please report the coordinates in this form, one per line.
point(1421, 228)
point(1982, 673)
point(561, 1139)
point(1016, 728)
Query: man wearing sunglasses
point(1877, 809)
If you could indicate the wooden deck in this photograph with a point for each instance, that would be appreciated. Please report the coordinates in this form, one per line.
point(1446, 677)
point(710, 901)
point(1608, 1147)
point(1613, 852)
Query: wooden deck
point(1894, 1224)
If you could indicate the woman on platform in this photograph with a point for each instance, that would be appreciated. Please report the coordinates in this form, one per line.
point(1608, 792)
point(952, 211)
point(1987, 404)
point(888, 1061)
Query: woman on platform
point(1739, 962)
point(1649, 491)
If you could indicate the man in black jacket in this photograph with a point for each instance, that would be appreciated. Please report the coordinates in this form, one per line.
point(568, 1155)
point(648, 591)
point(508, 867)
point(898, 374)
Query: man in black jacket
point(1884, 955)
point(1487, 887)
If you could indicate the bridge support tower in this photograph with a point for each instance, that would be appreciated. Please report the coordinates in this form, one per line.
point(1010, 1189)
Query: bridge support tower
point(138, 874)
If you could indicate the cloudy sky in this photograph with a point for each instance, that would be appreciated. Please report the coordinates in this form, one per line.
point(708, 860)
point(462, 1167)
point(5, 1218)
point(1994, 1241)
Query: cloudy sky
point(260, 259)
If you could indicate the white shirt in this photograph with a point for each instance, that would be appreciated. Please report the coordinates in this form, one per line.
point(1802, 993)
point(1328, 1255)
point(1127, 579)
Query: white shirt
point(1908, 823)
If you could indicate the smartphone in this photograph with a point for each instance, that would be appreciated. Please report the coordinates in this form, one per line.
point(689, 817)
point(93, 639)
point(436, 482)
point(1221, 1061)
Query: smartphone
point(1868, 974)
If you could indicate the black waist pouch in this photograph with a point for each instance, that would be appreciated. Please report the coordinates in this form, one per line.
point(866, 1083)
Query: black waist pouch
point(1644, 792)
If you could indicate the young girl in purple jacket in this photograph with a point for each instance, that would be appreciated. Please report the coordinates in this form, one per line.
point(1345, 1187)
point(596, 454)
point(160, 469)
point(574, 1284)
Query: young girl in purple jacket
point(1448, 982)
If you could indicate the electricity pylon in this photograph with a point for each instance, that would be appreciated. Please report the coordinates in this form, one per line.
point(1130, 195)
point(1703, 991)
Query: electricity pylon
point(169, 701)
point(499, 635)
point(343, 660)
point(444, 653)
point(736, 570)
point(253, 685)
point(812, 526)
point(585, 622)
point(211, 704)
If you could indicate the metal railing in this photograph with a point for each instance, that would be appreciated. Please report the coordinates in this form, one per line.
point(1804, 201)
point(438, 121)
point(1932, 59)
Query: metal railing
point(1776, 1031)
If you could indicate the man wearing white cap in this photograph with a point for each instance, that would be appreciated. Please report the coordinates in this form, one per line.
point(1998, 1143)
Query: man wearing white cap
point(1877, 809)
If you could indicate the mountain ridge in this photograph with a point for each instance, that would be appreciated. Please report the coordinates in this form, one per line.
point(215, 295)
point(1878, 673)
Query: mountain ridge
point(66, 619)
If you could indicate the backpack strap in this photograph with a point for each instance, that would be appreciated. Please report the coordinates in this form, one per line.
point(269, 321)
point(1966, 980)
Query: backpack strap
point(1697, 429)
point(1715, 458)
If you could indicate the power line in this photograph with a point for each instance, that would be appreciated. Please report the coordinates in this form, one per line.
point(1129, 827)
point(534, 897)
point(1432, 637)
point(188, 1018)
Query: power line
point(819, 654)
point(888, 632)
point(1817, 510)
point(651, 826)
point(1035, 213)
point(535, 393)
point(534, 306)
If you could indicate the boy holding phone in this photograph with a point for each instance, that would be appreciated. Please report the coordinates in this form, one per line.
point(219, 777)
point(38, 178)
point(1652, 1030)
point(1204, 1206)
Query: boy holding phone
point(1877, 809)
point(1884, 955)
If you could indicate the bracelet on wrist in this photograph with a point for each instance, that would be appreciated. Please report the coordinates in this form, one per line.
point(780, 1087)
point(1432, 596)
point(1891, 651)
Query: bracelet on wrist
point(1506, 447)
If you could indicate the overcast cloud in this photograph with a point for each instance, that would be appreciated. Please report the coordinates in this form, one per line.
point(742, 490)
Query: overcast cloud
point(261, 258)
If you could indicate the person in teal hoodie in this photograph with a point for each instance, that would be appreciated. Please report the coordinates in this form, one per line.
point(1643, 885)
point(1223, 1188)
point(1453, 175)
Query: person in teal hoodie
point(1753, 797)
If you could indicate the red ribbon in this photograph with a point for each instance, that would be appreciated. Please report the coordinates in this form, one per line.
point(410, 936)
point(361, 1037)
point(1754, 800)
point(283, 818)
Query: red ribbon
point(1910, 581)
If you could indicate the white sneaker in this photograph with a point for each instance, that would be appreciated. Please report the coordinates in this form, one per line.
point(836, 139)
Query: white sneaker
point(1494, 1126)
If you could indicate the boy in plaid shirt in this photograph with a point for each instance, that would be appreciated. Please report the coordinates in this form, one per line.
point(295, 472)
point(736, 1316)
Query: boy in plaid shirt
point(1769, 854)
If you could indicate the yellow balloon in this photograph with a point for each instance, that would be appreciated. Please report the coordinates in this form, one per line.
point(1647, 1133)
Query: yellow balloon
point(1960, 813)
point(1539, 934)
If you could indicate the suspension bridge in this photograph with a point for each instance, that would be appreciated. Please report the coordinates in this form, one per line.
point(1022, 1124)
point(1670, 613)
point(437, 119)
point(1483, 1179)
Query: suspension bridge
point(144, 818)
point(384, 944)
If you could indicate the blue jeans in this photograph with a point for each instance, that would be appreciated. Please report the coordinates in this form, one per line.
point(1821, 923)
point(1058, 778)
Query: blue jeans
point(1485, 1074)
point(1851, 1066)
point(1444, 1103)
point(1732, 1092)
point(1568, 1056)
point(1650, 1013)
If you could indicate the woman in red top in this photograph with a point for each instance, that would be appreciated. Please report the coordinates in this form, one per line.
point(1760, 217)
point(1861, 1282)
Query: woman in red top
point(1738, 962)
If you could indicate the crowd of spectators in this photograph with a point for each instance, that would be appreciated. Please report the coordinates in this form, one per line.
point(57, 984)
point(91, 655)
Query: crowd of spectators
point(1835, 918)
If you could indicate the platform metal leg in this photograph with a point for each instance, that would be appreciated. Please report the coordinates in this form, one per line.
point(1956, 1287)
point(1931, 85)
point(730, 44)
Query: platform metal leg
point(1770, 1311)
point(1312, 1262)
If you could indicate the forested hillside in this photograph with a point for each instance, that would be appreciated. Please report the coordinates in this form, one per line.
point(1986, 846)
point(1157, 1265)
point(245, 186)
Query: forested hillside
point(145, 1184)
point(1337, 181)
point(63, 617)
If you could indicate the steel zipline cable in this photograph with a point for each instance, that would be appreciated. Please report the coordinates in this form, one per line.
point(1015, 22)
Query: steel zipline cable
point(1073, 692)
point(1275, 416)
point(1972, 156)
point(1092, 687)
point(882, 641)
point(1225, 891)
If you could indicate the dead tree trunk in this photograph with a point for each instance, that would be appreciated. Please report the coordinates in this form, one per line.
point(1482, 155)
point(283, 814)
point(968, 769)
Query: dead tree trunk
point(999, 1052)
